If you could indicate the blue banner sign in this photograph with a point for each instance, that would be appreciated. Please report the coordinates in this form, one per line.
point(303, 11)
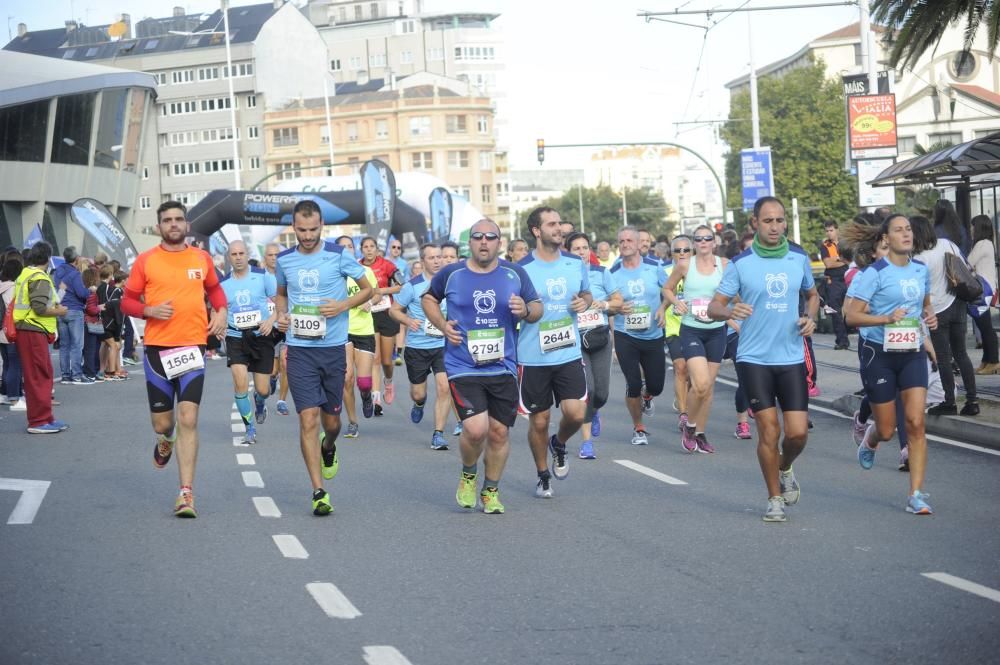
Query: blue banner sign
point(757, 175)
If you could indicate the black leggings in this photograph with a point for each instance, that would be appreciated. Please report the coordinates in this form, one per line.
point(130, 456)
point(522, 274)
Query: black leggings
point(985, 325)
point(949, 342)
point(648, 354)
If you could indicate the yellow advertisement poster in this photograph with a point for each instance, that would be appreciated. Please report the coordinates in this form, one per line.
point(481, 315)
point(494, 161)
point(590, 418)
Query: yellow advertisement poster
point(872, 125)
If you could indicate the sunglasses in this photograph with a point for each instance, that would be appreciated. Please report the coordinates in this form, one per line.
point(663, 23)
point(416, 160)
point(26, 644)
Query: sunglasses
point(395, 247)
point(704, 238)
point(489, 235)
point(683, 250)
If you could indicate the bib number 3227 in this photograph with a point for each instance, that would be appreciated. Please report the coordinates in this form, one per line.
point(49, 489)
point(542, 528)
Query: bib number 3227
point(181, 361)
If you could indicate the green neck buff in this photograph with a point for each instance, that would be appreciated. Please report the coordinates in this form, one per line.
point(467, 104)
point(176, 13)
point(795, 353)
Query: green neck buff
point(770, 252)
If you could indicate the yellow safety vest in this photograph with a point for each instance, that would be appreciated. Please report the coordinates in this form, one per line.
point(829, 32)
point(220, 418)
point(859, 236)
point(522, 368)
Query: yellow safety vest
point(22, 300)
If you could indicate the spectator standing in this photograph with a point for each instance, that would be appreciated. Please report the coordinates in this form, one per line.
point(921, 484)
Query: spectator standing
point(834, 286)
point(982, 258)
point(72, 294)
point(93, 328)
point(8, 352)
point(948, 226)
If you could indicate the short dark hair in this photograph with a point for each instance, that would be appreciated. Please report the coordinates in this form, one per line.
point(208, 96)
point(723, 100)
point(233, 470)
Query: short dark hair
point(39, 254)
point(764, 200)
point(428, 245)
point(12, 267)
point(923, 232)
point(452, 244)
point(307, 208)
point(339, 238)
point(168, 205)
point(535, 217)
point(573, 237)
point(830, 223)
point(69, 254)
point(982, 228)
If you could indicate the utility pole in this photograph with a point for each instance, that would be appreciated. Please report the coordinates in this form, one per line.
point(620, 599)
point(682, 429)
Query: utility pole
point(754, 114)
point(867, 52)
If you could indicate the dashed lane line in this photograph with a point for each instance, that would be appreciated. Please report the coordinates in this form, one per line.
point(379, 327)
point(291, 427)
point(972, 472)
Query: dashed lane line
point(965, 585)
point(332, 601)
point(236, 416)
point(245, 459)
point(266, 507)
point(652, 473)
point(252, 479)
point(238, 441)
point(290, 546)
point(383, 655)
point(237, 427)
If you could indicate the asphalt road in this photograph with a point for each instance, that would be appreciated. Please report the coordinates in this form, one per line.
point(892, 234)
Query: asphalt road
point(620, 567)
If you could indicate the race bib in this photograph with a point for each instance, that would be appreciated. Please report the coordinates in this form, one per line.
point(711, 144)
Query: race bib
point(903, 335)
point(181, 360)
point(699, 309)
point(431, 330)
point(591, 318)
point(382, 304)
point(307, 322)
point(556, 334)
point(639, 319)
point(486, 345)
point(246, 318)
point(270, 308)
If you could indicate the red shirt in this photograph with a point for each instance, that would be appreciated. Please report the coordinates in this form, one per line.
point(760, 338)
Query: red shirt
point(383, 269)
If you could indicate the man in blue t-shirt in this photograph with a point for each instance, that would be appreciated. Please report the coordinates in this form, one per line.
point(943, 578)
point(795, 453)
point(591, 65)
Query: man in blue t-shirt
point(486, 300)
point(312, 306)
point(424, 352)
point(548, 350)
point(249, 344)
point(768, 278)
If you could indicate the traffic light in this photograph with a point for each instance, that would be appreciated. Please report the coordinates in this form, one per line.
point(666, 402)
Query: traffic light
point(718, 227)
point(541, 150)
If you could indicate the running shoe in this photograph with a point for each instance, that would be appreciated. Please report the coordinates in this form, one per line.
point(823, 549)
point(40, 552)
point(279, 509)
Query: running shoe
point(904, 458)
point(688, 441)
point(162, 451)
point(438, 442)
point(129, 361)
point(352, 431)
point(775, 510)
point(19, 404)
point(682, 421)
point(321, 503)
point(368, 405)
point(466, 492)
point(458, 429)
point(595, 425)
point(742, 431)
point(560, 464)
point(261, 414)
point(814, 391)
point(66, 381)
point(60, 424)
point(647, 404)
point(397, 358)
point(47, 428)
point(416, 413)
point(490, 496)
point(789, 486)
point(331, 462)
point(184, 506)
point(587, 450)
point(639, 438)
point(378, 410)
point(543, 490)
point(858, 429)
point(390, 393)
point(917, 504)
point(866, 455)
point(83, 381)
point(250, 438)
point(273, 382)
point(282, 407)
point(703, 445)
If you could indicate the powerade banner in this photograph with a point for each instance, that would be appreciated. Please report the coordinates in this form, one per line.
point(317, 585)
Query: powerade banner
point(379, 186)
point(102, 227)
point(439, 203)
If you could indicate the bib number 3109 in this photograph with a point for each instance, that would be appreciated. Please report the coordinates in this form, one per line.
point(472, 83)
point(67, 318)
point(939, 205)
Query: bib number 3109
point(181, 361)
point(307, 322)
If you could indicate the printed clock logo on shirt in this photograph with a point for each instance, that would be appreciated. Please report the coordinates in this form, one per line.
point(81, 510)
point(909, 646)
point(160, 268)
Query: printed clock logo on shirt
point(910, 289)
point(777, 287)
point(557, 288)
point(636, 288)
point(484, 301)
point(309, 280)
point(243, 298)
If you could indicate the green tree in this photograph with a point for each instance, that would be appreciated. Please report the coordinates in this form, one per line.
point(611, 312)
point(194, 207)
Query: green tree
point(919, 24)
point(802, 119)
point(602, 211)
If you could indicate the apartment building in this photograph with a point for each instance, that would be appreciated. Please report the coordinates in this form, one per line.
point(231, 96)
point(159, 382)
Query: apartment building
point(424, 123)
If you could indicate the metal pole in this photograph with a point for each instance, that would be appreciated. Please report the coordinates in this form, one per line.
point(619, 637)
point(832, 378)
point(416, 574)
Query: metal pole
point(580, 192)
point(867, 57)
point(329, 122)
point(625, 206)
point(754, 116)
point(795, 222)
point(232, 95)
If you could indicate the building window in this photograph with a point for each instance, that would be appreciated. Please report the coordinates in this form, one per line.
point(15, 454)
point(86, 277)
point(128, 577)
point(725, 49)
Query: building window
point(251, 101)
point(335, 65)
point(475, 53)
point(406, 57)
point(983, 133)
point(483, 124)
point(407, 27)
point(458, 159)
point(455, 124)
point(216, 104)
point(376, 60)
point(420, 125)
point(461, 190)
point(352, 131)
point(373, 7)
point(289, 170)
point(944, 138)
point(355, 63)
point(285, 136)
point(253, 132)
point(254, 163)
point(906, 143)
point(145, 173)
point(208, 73)
point(185, 168)
point(962, 66)
point(182, 76)
point(486, 161)
point(381, 129)
point(218, 134)
point(358, 13)
point(161, 78)
point(342, 14)
point(144, 203)
point(183, 138)
point(240, 70)
point(218, 165)
point(423, 160)
point(181, 108)
point(435, 54)
point(487, 193)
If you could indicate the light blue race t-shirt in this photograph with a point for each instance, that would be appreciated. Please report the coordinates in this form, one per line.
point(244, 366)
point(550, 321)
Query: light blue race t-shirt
point(246, 300)
point(554, 339)
point(409, 298)
point(640, 286)
point(886, 287)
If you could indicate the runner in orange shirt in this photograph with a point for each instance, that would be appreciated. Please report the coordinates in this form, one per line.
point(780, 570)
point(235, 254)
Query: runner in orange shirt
point(167, 287)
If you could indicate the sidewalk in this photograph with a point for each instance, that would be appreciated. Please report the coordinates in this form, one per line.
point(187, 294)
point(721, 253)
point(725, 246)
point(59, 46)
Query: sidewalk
point(838, 379)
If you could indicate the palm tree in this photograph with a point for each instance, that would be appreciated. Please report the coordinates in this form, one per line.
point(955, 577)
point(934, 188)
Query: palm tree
point(917, 25)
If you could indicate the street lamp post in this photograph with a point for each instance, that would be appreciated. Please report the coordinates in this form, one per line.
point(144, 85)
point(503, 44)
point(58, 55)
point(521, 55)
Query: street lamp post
point(232, 94)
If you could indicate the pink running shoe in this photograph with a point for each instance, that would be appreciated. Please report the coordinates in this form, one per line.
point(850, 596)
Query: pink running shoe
point(742, 431)
point(688, 440)
point(814, 391)
point(703, 445)
point(682, 421)
point(858, 429)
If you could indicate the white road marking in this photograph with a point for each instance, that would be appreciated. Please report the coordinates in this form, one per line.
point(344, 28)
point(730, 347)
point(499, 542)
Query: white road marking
point(965, 585)
point(652, 473)
point(245, 459)
point(930, 437)
point(237, 427)
point(236, 416)
point(237, 440)
point(332, 601)
point(252, 479)
point(266, 507)
point(290, 547)
point(384, 656)
point(32, 493)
